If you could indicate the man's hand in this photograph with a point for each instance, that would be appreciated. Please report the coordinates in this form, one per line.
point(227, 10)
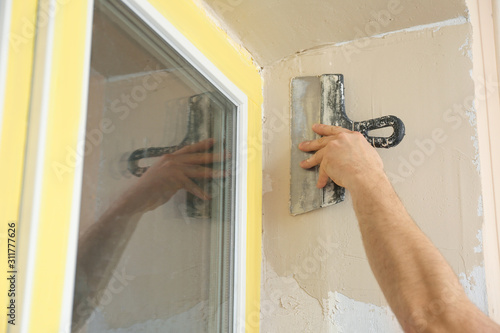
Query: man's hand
point(344, 156)
point(171, 173)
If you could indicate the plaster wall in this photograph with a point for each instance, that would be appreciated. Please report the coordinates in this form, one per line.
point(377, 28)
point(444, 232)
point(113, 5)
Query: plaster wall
point(316, 277)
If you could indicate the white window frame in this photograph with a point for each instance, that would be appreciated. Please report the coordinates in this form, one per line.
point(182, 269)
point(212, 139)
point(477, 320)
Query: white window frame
point(150, 15)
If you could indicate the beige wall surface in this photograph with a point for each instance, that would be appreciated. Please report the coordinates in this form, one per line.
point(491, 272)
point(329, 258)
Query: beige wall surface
point(316, 277)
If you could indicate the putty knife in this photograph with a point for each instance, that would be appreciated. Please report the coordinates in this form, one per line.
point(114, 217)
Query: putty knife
point(202, 109)
point(320, 99)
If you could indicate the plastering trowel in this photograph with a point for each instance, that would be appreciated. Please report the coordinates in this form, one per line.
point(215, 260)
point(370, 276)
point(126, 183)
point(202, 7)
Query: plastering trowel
point(320, 99)
point(200, 125)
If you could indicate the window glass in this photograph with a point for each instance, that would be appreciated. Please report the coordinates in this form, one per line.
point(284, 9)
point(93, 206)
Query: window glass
point(156, 234)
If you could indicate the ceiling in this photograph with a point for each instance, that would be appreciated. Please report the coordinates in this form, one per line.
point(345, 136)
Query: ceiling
point(273, 29)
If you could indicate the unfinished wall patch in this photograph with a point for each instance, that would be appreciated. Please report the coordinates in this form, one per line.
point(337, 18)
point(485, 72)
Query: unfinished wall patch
point(475, 287)
point(267, 184)
point(480, 206)
point(466, 48)
point(286, 307)
point(475, 143)
point(479, 236)
point(345, 313)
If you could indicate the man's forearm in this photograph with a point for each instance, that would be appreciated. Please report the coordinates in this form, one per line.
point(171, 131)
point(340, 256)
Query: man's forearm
point(420, 286)
point(99, 251)
point(100, 248)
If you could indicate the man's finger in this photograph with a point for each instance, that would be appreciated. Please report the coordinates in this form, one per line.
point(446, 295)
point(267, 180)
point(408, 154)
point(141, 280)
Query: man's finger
point(198, 171)
point(312, 161)
point(196, 147)
point(191, 187)
point(200, 158)
point(322, 178)
point(325, 130)
point(315, 145)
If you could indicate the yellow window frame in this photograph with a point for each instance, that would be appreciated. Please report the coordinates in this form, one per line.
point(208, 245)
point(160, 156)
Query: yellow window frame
point(18, 39)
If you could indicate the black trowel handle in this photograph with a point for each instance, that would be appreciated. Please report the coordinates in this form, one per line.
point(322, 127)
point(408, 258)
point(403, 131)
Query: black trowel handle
point(139, 154)
point(386, 121)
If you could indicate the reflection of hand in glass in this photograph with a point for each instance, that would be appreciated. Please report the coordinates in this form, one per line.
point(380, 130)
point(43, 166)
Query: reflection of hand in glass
point(170, 174)
point(101, 246)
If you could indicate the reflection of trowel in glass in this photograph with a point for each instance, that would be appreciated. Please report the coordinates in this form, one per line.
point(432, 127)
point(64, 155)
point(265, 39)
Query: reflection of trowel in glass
point(320, 99)
point(200, 127)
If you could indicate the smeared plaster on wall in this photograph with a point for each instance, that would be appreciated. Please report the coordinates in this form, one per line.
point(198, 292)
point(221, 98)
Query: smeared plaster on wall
point(479, 236)
point(472, 117)
point(475, 287)
point(267, 184)
point(480, 206)
point(475, 143)
point(434, 26)
point(466, 49)
point(286, 307)
point(345, 314)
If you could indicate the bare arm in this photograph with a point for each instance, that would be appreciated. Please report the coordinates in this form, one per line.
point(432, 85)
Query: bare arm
point(421, 288)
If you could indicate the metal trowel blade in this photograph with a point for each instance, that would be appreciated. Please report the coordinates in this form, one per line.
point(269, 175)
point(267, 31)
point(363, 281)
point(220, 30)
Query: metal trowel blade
point(307, 109)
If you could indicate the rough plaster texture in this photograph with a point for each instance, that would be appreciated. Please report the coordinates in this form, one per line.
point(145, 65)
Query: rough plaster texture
point(274, 29)
point(316, 260)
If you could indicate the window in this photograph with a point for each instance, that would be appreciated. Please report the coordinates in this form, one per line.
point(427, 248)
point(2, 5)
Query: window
point(157, 234)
